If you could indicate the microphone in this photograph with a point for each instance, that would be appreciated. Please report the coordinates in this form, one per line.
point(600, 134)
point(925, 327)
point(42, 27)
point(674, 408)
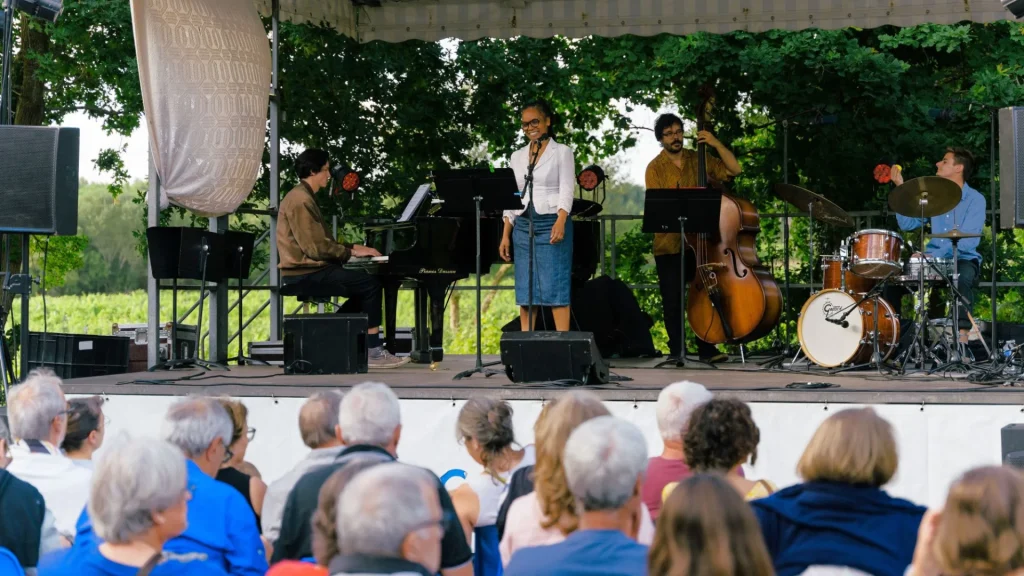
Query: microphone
point(843, 323)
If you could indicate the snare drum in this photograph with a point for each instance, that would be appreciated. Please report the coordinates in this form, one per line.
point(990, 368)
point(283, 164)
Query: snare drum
point(875, 253)
point(912, 269)
point(829, 345)
point(831, 270)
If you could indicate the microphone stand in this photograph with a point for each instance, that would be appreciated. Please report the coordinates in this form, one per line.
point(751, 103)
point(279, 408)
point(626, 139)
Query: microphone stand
point(528, 188)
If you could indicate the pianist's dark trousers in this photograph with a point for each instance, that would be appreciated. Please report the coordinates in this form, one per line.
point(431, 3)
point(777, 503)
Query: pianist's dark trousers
point(363, 290)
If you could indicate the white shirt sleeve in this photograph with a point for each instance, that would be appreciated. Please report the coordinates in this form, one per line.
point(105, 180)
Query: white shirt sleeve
point(566, 179)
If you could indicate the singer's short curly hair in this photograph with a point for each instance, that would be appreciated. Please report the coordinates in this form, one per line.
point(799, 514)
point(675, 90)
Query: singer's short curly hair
point(962, 157)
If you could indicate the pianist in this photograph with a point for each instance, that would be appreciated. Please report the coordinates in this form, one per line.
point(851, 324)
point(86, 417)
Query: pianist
point(312, 259)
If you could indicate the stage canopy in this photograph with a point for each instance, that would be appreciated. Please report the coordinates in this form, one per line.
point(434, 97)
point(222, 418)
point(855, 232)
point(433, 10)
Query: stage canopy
point(396, 21)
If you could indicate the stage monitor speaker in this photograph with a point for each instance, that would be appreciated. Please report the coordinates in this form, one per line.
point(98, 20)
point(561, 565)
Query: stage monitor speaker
point(552, 356)
point(1012, 436)
point(39, 180)
point(1011, 167)
point(325, 344)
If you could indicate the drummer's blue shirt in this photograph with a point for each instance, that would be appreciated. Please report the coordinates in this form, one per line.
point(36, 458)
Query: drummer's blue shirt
point(967, 216)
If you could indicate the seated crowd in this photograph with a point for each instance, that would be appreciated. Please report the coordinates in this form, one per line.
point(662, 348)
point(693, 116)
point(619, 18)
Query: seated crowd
point(584, 499)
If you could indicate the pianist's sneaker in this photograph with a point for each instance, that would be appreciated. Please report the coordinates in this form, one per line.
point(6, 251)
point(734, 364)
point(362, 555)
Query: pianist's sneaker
point(379, 357)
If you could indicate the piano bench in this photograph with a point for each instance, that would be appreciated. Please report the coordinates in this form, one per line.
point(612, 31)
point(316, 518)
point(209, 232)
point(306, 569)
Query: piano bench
point(320, 301)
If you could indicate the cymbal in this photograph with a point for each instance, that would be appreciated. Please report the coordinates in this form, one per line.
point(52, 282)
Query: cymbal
point(823, 210)
point(938, 195)
point(956, 234)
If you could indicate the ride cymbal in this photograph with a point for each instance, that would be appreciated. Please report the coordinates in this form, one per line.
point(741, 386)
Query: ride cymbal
point(823, 210)
point(937, 195)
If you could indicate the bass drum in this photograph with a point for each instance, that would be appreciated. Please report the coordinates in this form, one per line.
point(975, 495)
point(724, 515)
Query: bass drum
point(828, 344)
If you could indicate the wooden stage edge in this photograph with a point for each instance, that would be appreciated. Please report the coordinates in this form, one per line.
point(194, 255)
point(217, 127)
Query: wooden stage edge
point(748, 382)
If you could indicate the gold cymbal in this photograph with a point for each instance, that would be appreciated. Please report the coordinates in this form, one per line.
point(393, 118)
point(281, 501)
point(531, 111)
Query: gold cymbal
point(937, 195)
point(821, 208)
point(957, 235)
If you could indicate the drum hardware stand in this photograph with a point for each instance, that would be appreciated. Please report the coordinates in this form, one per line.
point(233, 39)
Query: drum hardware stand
point(922, 311)
point(873, 294)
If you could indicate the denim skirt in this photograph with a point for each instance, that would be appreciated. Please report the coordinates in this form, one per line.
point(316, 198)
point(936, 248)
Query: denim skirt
point(552, 266)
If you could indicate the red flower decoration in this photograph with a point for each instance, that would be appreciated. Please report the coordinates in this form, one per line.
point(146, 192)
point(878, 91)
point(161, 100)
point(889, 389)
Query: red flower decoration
point(883, 174)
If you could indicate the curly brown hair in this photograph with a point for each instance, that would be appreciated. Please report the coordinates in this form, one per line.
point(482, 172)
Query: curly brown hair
point(721, 435)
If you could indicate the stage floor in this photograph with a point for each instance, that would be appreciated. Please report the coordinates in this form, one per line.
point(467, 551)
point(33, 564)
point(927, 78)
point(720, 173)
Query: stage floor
point(748, 382)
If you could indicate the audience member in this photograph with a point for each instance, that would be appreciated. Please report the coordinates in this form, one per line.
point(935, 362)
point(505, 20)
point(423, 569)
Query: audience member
point(548, 515)
point(370, 421)
point(485, 427)
point(839, 515)
point(27, 529)
point(138, 501)
point(675, 404)
point(721, 437)
point(604, 465)
point(705, 527)
point(980, 532)
point(318, 425)
point(86, 429)
point(38, 415)
point(390, 521)
point(521, 483)
point(249, 486)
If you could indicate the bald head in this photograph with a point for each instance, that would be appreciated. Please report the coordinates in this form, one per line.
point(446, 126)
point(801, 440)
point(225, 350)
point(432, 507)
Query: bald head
point(318, 420)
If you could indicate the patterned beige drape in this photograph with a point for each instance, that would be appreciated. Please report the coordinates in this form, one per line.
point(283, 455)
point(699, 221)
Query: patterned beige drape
point(204, 67)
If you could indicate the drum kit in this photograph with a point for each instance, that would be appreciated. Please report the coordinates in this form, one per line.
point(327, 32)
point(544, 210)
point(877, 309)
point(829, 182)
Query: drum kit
point(848, 324)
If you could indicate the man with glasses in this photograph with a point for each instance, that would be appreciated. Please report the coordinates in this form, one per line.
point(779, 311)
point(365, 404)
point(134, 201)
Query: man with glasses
point(676, 167)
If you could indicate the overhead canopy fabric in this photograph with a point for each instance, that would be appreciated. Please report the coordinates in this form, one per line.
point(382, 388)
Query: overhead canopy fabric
point(396, 21)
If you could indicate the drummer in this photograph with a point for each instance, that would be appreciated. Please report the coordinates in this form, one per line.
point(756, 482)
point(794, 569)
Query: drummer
point(968, 217)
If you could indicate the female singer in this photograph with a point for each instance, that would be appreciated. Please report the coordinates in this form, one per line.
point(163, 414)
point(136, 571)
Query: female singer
point(553, 171)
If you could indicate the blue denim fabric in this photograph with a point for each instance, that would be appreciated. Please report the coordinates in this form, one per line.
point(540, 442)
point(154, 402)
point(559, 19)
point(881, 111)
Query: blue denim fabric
point(552, 268)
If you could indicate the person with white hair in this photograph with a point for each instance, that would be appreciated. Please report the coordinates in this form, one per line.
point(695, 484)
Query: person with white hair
point(138, 502)
point(38, 413)
point(318, 425)
point(370, 420)
point(676, 403)
point(221, 527)
point(604, 464)
point(390, 521)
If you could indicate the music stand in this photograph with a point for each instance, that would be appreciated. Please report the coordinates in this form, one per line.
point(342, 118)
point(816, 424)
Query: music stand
point(667, 210)
point(468, 193)
point(238, 248)
point(186, 253)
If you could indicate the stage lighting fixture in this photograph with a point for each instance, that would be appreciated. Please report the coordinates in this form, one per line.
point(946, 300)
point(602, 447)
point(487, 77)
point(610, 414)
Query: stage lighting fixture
point(345, 178)
point(48, 10)
point(591, 177)
point(1016, 7)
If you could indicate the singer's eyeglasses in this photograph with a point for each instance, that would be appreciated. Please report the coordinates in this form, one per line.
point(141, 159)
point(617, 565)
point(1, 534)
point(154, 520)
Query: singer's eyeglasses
point(531, 124)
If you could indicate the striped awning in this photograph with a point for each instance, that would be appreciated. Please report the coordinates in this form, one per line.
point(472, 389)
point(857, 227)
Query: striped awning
point(399, 20)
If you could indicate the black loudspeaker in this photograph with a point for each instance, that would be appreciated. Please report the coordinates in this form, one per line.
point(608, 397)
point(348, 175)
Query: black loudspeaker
point(1012, 436)
point(39, 180)
point(325, 344)
point(1011, 167)
point(552, 356)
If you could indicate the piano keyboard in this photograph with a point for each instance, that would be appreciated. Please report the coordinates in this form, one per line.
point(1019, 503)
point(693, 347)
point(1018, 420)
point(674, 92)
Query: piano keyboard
point(366, 259)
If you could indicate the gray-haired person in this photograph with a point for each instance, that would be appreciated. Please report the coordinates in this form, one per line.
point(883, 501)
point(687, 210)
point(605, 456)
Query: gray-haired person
point(676, 403)
point(318, 425)
point(604, 466)
point(221, 526)
point(390, 521)
point(38, 413)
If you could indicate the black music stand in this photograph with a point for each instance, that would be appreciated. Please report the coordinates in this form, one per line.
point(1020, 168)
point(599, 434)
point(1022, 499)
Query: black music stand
point(238, 248)
point(469, 193)
point(190, 253)
point(669, 208)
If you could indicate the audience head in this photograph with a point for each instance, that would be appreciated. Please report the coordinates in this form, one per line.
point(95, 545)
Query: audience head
point(676, 403)
point(325, 519)
point(853, 446)
point(5, 443)
point(705, 527)
point(241, 433)
point(369, 414)
point(318, 420)
point(37, 408)
point(201, 428)
point(485, 426)
point(86, 426)
point(721, 436)
point(553, 431)
point(605, 460)
point(139, 492)
point(392, 510)
point(981, 529)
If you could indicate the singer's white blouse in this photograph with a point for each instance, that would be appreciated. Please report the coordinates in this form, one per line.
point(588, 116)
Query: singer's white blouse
point(554, 179)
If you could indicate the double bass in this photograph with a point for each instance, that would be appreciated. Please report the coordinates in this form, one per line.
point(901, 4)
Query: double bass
point(733, 298)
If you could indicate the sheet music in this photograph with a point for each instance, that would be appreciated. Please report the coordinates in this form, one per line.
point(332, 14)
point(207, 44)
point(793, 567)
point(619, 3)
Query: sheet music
point(414, 203)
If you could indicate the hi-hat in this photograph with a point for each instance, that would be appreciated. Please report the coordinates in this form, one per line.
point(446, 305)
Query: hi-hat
point(937, 195)
point(956, 234)
point(822, 209)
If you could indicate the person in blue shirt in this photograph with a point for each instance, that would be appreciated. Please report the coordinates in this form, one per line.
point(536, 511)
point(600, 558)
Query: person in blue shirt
point(139, 500)
point(605, 459)
point(221, 528)
point(957, 164)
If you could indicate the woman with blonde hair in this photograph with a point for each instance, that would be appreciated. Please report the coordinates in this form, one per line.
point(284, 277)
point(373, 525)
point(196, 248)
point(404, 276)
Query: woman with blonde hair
point(706, 528)
point(236, 472)
point(980, 532)
point(840, 516)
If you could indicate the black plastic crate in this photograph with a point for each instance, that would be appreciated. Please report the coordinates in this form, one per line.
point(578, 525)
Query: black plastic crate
point(78, 355)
